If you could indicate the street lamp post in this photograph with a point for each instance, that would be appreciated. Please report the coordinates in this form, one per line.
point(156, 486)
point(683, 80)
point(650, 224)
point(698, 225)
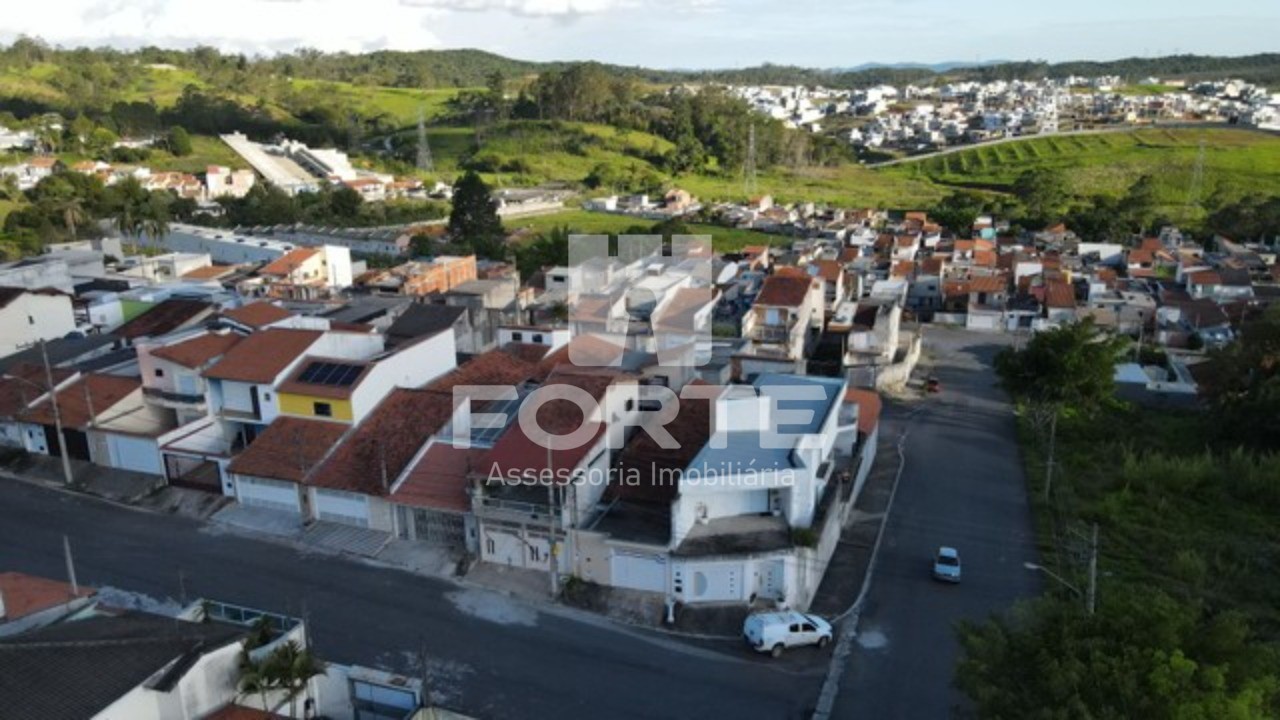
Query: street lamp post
point(67, 476)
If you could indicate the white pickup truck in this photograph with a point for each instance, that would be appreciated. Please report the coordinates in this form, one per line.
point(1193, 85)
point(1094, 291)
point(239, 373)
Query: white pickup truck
point(774, 632)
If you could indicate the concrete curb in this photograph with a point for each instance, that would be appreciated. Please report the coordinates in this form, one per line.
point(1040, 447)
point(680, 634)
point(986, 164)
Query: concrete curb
point(850, 617)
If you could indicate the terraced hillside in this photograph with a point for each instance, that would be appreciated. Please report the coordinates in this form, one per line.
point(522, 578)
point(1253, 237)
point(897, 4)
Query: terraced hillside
point(1236, 162)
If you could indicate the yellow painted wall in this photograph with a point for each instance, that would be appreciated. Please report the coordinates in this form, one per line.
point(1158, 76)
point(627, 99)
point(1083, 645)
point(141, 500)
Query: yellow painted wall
point(304, 406)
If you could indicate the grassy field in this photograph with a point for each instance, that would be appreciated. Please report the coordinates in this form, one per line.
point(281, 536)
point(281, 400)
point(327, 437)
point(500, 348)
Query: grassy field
point(401, 105)
point(847, 186)
point(1235, 162)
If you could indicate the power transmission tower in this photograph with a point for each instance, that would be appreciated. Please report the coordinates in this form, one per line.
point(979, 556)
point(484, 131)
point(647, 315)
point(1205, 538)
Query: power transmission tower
point(424, 149)
point(749, 167)
point(1197, 178)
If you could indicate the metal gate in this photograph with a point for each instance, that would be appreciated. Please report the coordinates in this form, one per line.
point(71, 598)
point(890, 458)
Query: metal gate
point(432, 526)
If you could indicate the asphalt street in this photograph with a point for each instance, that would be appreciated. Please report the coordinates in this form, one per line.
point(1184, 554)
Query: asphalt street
point(487, 655)
point(962, 485)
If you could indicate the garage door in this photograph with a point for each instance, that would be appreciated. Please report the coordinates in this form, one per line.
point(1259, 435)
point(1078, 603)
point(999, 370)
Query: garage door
point(342, 507)
point(978, 321)
point(638, 571)
point(136, 454)
point(271, 494)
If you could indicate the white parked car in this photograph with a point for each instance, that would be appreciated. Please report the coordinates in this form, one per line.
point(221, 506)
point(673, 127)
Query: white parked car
point(946, 565)
point(774, 632)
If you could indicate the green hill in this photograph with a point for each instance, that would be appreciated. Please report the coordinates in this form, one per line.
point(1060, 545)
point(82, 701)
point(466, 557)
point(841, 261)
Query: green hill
point(1236, 162)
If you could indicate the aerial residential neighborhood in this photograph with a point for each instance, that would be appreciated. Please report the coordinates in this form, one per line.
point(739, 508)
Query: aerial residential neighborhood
point(349, 373)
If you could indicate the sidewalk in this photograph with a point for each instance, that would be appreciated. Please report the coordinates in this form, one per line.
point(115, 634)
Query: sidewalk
point(124, 487)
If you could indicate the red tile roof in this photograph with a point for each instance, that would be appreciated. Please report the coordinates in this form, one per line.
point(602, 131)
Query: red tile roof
point(516, 453)
point(289, 262)
point(1060, 294)
point(649, 472)
point(785, 290)
point(439, 480)
point(391, 435)
point(209, 272)
point(23, 383)
point(170, 315)
point(27, 594)
point(104, 391)
point(903, 268)
point(288, 449)
point(198, 351)
point(256, 315)
point(1204, 277)
point(988, 284)
point(261, 357)
point(829, 270)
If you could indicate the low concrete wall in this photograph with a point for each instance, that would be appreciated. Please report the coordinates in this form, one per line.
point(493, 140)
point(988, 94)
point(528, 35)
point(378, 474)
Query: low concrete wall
point(895, 376)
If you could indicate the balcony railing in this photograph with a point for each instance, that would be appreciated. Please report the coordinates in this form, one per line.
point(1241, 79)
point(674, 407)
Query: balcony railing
point(771, 333)
point(173, 397)
point(512, 511)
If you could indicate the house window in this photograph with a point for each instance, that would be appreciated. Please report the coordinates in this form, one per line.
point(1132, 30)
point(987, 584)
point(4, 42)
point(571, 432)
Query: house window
point(535, 553)
point(31, 320)
point(490, 547)
point(323, 409)
point(517, 337)
point(631, 404)
point(159, 372)
point(537, 339)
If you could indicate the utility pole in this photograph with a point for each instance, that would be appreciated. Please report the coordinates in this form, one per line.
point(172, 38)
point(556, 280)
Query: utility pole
point(424, 149)
point(1048, 468)
point(552, 564)
point(71, 566)
point(1091, 600)
point(67, 476)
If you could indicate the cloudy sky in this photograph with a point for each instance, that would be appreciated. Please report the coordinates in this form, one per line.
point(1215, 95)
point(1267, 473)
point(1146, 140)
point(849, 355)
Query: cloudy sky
point(671, 33)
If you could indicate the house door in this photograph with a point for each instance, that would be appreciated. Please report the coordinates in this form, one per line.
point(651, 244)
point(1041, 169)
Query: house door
point(253, 398)
point(773, 583)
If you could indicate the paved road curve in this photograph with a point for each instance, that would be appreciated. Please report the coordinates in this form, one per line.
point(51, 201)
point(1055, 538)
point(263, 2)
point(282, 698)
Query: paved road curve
point(488, 655)
point(962, 486)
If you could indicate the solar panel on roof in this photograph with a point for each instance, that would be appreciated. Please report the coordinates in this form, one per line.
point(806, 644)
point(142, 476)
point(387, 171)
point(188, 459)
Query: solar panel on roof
point(333, 374)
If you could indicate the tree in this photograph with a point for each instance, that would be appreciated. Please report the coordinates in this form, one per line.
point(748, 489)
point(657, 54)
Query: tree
point(345, 203)
point(1069, 368)
point(290, 668)
point(1243, 384)
point(474, 219)
point(1043, 194)
point(1143, 655)
point(73, 214)
point(155, 215)
point(957, 212)
point(549, 248)
point(128, 201)
point(179, 141)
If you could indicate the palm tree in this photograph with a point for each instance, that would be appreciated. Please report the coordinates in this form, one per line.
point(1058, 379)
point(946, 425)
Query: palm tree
point(255, 680)
point(155, 216)
point(290, 667)
point(73, 213)
point(127, 211)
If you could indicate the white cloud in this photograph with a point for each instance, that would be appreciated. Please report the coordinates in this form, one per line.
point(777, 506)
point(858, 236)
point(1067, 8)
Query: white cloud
point(251, 26)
